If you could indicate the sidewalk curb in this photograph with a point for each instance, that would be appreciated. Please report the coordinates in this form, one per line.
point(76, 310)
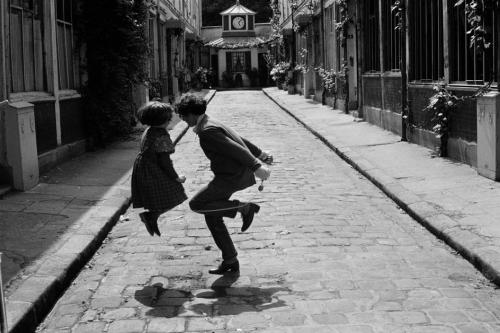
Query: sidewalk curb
point(35, 297)
point(440, 225)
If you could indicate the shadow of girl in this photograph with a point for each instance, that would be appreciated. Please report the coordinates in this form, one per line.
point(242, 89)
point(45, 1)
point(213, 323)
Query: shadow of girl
point(221, 299)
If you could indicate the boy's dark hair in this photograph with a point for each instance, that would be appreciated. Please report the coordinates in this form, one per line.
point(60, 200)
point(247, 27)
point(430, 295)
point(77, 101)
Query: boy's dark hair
point(155, 113)
point(191, 103)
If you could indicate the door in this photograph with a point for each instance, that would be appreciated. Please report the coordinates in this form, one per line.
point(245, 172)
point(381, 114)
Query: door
point(214, 80)
point(263, 71)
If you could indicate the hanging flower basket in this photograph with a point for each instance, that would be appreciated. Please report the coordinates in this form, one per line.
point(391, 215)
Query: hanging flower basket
point(303, 19)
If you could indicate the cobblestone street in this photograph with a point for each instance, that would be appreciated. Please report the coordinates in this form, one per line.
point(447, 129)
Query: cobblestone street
point(328, 252)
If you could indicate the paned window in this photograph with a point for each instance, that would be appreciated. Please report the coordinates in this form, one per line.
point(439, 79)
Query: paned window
point(371, 36)
point(26, 64)
point(240, 62)
point(469, 63)
point(66, 56)
point(426, 40)
point(391, 37)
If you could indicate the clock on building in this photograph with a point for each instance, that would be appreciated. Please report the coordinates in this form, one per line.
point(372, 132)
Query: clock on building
point(238, 22)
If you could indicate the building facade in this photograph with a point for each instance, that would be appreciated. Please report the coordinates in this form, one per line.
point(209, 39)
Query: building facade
point(386, 70)
point(237, 48)
point(42, 72)
point(174, 33)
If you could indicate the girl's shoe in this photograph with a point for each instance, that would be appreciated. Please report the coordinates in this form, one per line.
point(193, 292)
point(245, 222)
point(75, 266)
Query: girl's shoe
point(224, 267)
point(154, 225)
point(147, 222)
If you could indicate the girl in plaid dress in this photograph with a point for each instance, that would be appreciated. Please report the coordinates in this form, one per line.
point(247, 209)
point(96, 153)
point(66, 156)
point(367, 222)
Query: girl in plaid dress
point(156, 186)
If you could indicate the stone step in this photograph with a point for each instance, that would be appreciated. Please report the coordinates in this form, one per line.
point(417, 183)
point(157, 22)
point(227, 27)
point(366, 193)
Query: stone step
point(4, 189)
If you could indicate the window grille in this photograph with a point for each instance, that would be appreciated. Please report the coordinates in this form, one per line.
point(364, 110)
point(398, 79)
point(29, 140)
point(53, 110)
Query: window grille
point(26, 46)
point(66, 56)
point(426, 40)
point(371, 36)
point(471, 65)
point(391, 37)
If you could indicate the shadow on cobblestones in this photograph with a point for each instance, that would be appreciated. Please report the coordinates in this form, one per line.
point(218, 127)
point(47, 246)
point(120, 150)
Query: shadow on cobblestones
point(221, 299)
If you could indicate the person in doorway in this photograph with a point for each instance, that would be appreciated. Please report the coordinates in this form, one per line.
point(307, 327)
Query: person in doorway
point(235, 162)
point(156, 186)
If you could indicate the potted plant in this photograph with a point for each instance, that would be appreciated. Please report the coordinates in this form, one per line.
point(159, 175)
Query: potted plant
point(200, 78)
point(279, 72)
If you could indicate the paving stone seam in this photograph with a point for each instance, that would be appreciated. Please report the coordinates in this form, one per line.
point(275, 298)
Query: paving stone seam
point(28, 314)
point(486, 268)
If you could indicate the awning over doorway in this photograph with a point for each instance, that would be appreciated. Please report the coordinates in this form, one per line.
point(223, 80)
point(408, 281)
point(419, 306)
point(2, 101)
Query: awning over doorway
point(238, 42)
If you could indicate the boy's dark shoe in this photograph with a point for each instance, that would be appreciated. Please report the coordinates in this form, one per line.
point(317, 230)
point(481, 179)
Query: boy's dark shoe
point(147, 222)
point(224, 267)
point(247, 213)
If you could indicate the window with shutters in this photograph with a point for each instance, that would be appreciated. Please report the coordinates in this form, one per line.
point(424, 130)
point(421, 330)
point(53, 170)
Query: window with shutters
point(26, 64)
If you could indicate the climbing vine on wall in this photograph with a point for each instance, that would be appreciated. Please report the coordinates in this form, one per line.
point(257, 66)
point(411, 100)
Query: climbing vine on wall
point(397, 8)
point(114, 35)
point(475, 11)
point(442, 105)
point(344, 21)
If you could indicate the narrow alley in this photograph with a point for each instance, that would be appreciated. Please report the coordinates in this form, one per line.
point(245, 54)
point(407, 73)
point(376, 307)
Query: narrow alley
point(328, 252)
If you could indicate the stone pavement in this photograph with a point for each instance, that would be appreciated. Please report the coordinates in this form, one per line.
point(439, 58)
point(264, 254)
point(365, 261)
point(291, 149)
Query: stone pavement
point(447, 197)
point(328, 252)
point(49, 232)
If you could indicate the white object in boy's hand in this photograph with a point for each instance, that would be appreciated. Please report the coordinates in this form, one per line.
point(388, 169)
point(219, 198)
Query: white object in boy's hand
point(181, 179)
point(262, 173)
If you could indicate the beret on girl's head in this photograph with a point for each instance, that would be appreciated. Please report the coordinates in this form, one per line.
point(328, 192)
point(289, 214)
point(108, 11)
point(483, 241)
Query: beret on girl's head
point(155, 113)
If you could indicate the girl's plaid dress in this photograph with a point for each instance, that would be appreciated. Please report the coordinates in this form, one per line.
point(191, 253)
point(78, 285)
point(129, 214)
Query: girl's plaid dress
point(154, 184)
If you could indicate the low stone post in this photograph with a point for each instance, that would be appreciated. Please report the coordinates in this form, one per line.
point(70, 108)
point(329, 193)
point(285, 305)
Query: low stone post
point(488, 135)
point(22, 156)
point(3, 310)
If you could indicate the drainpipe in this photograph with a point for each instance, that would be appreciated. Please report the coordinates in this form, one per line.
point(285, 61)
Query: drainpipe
point(3, 92)
point(404, 76)
point(359, 66)
point(323, 49)
point(497, 15)
point(345, 64)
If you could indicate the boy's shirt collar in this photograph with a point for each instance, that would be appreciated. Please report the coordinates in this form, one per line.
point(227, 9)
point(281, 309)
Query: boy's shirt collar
point(201, 119)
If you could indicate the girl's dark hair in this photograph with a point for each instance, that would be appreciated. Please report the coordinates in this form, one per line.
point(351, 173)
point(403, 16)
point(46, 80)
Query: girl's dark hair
point(191, 103)
point(155, 113)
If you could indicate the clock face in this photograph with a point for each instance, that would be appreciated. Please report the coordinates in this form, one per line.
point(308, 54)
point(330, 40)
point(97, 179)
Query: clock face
point(238, 22)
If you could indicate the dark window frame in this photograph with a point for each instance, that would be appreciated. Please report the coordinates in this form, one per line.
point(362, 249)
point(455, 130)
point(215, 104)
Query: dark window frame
point(391, 38)
point(68, 67)
point(426, 41)
point(470, 65)
point(371, 37)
